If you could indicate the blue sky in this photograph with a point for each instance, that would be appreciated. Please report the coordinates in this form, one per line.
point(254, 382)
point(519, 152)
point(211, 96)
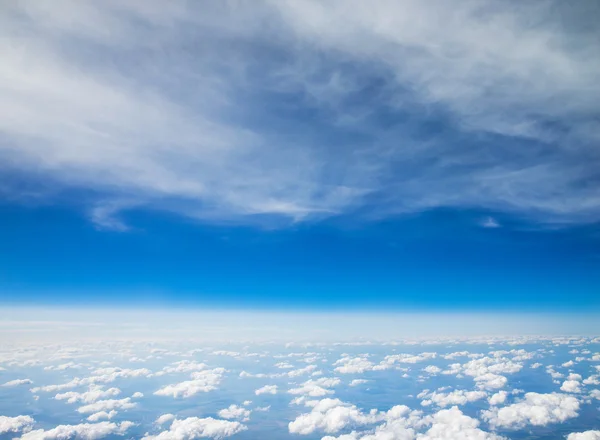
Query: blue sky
point(288, 155)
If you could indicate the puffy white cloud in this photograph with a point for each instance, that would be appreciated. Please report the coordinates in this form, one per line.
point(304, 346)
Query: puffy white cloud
point(194, 428)
point(356, 382)
point(403, 424)
point(96, 417)
point(353, 365)
point(457, 397)
point(235, 412)
point(202, 382)
point(432, 369)
point(403, 358)
point(283, 365)
point(15, 424)
point(316, 387)
point(498, 398)
point(107, 405)
point(330, 416)
point(164, 418)
point(267, 389)
point(100, 375)
point(490, 381)
point(535, 409)
point(83, 431)
point(185, 366)
point(453, 424)
point(587, 435)
point(93, 394)
point(571, 386)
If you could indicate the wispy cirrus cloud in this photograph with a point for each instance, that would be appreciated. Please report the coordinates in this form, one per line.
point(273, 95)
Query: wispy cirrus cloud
point(302, 110)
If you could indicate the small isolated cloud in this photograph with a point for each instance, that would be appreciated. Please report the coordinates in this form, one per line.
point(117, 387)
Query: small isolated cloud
point(17, 382)
point(267, 389)
point(490, 222)
point(235, 412)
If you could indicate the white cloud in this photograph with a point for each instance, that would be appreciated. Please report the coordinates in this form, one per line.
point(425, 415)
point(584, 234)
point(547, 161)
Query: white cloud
point(490, 381)
point(356, 382)
point(267, 389)
point(328, 415)
point(316, 387)
point(350, 365)
point(457, 397)
point(17, 382)
point(571, 386)
point(83, 431)
point(535, 409)
point(132, 135)
point(498, 398)
point(93, 394)
point(587, 435)
point(165, 418)
point(235, 412)
point(432, 369)
point(453, 424)
point(15, 424)
point(490, 222)
point(96, 417)
point(107, 405)
point(194, 428)
point(202, 382)
point(403, 358)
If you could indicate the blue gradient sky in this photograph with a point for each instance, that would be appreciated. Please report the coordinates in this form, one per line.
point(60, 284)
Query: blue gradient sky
point(434, 261)
point(291, 155)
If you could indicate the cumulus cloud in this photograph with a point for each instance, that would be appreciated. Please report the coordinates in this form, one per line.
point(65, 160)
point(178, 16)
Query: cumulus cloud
point(330, 416)
point(316, 387)
point(90, 396)
point(571, 386)
point(100, 415)
point(235, 412)
point(267, 389)
point(194, 428)
point(350, 365)
point(83, 431)
point(202, 382)
point(498, 398)
point(457, 397)
point(15, 424)
point(535, 409)
point(453, 424)
point(587, 435)
point(107, 405)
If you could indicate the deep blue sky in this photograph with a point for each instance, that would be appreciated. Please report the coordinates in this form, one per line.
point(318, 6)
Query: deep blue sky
point(439, 260)
point(301, 155)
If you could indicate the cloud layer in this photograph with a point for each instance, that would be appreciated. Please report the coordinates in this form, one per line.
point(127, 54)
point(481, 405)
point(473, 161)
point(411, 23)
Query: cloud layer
point(302, 110)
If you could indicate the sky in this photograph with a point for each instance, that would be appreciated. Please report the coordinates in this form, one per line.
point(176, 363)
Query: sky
point(336, 156)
